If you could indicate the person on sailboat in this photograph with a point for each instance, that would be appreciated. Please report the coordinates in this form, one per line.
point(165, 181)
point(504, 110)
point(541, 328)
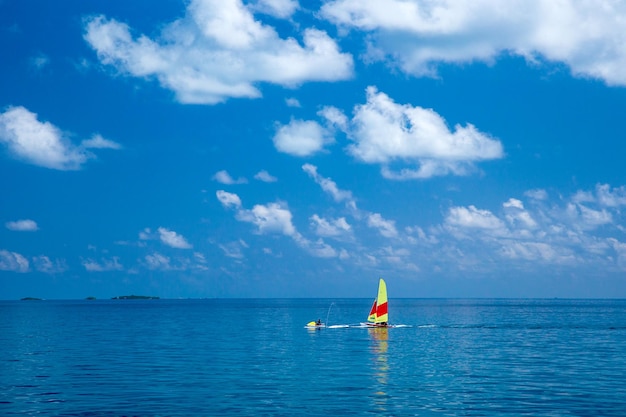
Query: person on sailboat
point(319, 322)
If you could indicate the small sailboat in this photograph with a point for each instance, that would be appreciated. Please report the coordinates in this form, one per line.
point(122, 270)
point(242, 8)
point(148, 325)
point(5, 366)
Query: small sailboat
point(379, 315)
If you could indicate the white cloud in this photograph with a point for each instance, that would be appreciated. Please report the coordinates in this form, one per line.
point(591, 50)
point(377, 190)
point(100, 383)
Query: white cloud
point(25, 225)
point(537, 194)
point(429, 168)
point(46, 265)
point(292, 102)
point(604, 196)
point(583, 197)
point(173, 239)
point(219, 51)
point(98, 142)
point(517, 216)
point(39, 143)
point(515, 203)
point(103, 265)
point(228, 200)
point(473, 218)
point(233, 249)
point(223, 177)
point(42, 143)
point(265, 176)
point(278, 8)
point(13, 261)
point(332, 227)
point(569, 232)
point(587, 218)
point(384, 132)
point(199, 262)
point(321, 249)
point(146, 234)
point(301, 138)
point(156, 261)
point(39, 61)
point(335, 117)
point(387, 228)
point(536, 251)
point(277, 218)
point(270, 218)
point(416, 36)
point(329, 186)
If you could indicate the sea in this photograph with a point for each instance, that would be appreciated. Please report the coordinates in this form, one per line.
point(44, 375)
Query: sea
point(254, 357)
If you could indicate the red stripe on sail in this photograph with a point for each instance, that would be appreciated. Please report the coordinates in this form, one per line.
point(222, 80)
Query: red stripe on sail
point(381, 309)
point(373, 310)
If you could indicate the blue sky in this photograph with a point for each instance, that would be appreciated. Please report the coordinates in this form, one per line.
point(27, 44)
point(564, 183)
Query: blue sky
point(277, 148)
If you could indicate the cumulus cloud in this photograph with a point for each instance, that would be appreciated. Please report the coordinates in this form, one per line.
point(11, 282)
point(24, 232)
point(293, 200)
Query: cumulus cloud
point(517, 215)
point(13, 261)
point(335, 117)
point(42, 143)
point(395, 135)
point(223, 177)
point(302, 138)
point(173, 239)
point(384, 132)
point(278, 8)
point(604, 196)
point(514, 203)
point(270, 218)
point(329, 227)
point(471, 217)
point(275, 218)
point(25, 225)
point(265, 176)
point(569, 232)
point(39, 143)
point(220, 51)
point(387, 228)
point(587, 218)
point(228, 200)
point(416, 36)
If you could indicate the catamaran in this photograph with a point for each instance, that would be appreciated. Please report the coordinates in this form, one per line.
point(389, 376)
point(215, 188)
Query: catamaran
point(379, 315)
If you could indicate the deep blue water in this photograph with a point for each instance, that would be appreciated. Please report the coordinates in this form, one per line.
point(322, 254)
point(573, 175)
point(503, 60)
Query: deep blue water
point(255, 358)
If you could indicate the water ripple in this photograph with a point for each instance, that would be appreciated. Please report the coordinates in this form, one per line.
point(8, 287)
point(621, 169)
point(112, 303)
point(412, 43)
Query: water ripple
point(170, 358)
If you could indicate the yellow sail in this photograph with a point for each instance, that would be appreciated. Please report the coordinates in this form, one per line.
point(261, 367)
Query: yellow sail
point(372, 316)
point(382, 315)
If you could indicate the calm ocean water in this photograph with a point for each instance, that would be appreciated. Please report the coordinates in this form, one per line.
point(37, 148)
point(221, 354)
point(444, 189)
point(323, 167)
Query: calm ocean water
point(255, 358)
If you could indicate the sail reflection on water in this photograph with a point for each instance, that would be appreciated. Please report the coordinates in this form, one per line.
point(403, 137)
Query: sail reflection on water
point(379, 345)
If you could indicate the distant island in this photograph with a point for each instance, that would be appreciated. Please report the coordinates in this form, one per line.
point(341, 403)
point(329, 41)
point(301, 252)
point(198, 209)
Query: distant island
point(31, 299)
point(135, 297)
point(91, 298)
